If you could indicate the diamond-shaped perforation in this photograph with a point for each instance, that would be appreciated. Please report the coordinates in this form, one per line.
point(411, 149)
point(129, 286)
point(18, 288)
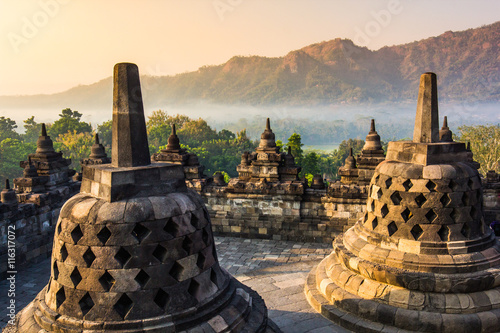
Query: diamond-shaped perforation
point(123, 306)
point(406, 214)
point(162, 299)
point(396, 198)
point(171, 228)
point(213, 277)
point(86, 303)
point(75, 277)
point(377, 177)
point(160, 253)
point(187, 245)
point(176, 271)
point(195, 221)
point(478, 195)
point(60, 297)
point(379, 193)
point(445, 200)
point(431, 215)
point(454, 215)
point(416, 231)
point(76, 234)
point(206, 215)
point(431, 186)
point(107, 281)
point(89, 257)
point(388, 182)
point(372, 206)
point(194, 288)
point(465, 199)
point(56, 270)
point(59, 229)
point(473, 212)
point(64, 252)
point(104, 235)
point(470, 183)
point(374, 223)
point(140, 232)
point(365, 217)
point(453, 185)
point(142, 278)
point(392, 228)
point(122, 256)
point(407, 185)
point(420, 200)
point(465, 231)
point(200, 262)
point(384, 210)
point(444, 233)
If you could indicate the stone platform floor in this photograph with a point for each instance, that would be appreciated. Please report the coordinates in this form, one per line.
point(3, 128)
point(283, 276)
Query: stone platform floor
point(275, 269)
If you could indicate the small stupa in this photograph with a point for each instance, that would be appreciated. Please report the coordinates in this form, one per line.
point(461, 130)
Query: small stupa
point(422, 258)
point(134, 251)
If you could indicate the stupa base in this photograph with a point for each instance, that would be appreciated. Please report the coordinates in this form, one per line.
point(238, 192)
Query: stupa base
point(238, 309)
point(374, 314)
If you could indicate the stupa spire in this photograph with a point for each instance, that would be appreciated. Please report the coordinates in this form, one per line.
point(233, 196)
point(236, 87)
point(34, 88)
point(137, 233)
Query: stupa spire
point(426, 121)
point(130, 141)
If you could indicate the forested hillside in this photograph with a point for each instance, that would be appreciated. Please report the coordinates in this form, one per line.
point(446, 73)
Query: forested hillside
point(335, 71)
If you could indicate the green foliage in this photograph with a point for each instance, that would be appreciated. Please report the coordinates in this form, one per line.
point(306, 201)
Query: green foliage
point(280, 145)
point(105, 133)
point(295, 142)
point(484, 143)
point(227, 178)
point(159, 127)
point(12, 151)
point(75, 146)
point(32, 130)
point(69, 121)
point(310, 163)
point(7, 127)
point(309, 177)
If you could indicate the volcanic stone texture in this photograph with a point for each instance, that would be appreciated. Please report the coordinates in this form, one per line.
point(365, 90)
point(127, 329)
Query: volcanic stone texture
point(139, 264)
point(422, 258)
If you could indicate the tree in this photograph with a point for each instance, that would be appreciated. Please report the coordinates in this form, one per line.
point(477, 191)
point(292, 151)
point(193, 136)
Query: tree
point(310, 163)
point(69, 121)
point(295, 142)
point(12, 151)
point(75, 146)
point(105, 133)
point(7, 127)
point(32, 130)
point(159, 127)
point(484, 143)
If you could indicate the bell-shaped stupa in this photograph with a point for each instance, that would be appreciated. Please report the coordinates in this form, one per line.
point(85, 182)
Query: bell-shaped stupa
point(422, 259)
point(134, 251)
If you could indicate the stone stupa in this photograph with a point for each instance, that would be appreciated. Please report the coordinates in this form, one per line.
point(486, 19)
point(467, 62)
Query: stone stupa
point(422, 259)
point(134, 251)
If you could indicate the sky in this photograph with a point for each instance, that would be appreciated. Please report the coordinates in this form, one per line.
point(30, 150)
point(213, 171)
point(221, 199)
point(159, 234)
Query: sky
point(48, 46)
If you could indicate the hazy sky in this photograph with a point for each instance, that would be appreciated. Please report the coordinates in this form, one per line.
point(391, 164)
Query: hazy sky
point(48, 46)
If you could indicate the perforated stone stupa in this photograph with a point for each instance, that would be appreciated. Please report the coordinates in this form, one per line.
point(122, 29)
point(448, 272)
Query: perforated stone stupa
point(422, 259)
point(134, 251)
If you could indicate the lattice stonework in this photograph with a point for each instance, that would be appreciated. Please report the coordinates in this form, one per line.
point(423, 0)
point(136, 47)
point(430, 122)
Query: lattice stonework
point(403, 201)
point(113, 257)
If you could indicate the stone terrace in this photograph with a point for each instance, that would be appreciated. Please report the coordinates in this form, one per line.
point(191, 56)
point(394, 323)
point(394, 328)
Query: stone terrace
point(275, 269)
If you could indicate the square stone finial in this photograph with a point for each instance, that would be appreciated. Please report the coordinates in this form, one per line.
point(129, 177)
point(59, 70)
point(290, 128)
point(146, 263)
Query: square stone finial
point(130, 142)
point(427, 118)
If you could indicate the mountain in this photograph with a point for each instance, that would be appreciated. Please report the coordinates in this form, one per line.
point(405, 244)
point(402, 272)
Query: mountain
point(331, 72)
